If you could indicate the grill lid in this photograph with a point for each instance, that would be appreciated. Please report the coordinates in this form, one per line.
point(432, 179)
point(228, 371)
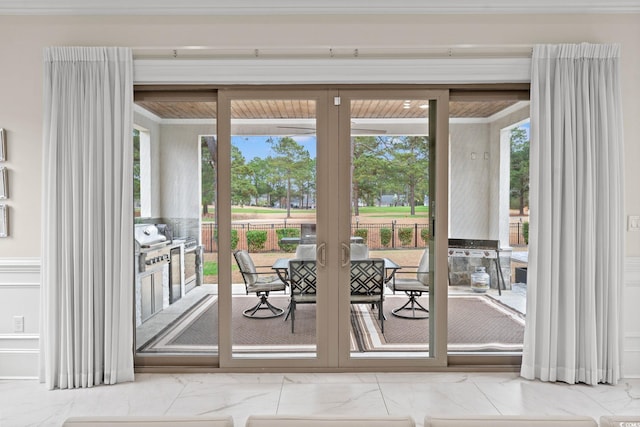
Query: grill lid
point(148, 236)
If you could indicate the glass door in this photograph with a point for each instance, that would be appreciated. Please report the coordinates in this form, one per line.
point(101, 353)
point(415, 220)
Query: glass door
point(273, 193)
point(392, 288)
point(327, 203)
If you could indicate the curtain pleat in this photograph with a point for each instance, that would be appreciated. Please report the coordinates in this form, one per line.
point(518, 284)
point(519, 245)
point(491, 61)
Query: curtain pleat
point(87, 266)
point(576, 244)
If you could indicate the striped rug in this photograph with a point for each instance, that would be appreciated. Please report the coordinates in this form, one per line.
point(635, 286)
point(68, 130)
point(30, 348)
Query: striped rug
point(477, 323)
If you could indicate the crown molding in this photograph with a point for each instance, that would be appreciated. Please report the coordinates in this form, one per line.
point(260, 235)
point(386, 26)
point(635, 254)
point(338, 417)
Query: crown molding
point(298, 7)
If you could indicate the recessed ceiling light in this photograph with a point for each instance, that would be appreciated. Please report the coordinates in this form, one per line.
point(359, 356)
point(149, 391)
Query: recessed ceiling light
point(424, 106)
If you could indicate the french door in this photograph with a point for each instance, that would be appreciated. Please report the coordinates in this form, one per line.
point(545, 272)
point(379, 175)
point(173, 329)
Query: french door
point(352, 184)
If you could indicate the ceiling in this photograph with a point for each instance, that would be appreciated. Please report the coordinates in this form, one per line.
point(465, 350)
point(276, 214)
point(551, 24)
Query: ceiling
point(309, 7)
point(303, 109)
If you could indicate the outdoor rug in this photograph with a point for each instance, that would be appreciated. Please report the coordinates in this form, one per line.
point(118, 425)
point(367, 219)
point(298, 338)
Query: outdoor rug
point(196, 330)
point(476, 323)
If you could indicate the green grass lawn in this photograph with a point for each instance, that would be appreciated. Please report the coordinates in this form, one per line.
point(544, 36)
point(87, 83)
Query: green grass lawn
point(210, 268)
point(256, 210)
point(370, 211)
point(391, 211)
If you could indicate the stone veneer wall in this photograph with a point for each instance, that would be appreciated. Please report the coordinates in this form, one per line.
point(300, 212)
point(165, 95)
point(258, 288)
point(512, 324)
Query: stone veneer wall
point(460, 269)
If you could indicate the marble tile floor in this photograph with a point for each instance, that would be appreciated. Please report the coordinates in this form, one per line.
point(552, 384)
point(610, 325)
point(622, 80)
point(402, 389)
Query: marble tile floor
point(28, 403)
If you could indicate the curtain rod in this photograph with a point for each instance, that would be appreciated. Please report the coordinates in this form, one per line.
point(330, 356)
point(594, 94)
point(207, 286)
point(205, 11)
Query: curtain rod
point(327, 52)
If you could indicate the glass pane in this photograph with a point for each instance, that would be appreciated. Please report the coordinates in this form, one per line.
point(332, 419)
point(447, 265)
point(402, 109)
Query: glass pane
point(488, 191)
point(273, 184)
point(176, 258)
point(390, 275)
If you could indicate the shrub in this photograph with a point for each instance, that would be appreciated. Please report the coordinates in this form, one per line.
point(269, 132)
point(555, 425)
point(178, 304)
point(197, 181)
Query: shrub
point(385, 236)
point(405, 235)
point(287, 232)
point(361, 232)
point(525, 231)
point(234, 238)
point(256, 240)
point(424, 234)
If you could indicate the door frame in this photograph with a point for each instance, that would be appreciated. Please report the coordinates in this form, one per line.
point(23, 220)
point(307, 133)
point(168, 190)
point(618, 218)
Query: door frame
point(214, 363)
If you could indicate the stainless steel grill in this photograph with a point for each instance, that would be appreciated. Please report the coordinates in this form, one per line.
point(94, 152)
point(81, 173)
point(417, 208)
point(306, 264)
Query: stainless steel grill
point(152, 247)
point(152, 251)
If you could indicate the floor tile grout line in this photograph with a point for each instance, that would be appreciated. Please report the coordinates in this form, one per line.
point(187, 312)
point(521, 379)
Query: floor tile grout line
point(386, 407)
point(487, 397)
point(284, 377)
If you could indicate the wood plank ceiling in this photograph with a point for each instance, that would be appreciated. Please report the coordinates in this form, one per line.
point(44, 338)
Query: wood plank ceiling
point(303, 109)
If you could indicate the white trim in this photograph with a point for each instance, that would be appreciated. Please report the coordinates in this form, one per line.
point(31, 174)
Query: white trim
point(509, 110)
point(19, 285)
point(334, 71)
point(297, 7)
point(632, 342)
point(632, 272)
point(146, 113)
point(19, 265)
point(6, 337)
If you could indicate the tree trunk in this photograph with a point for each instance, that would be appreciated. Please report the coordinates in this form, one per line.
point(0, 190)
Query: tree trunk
point(412, 198)
point(356, 196)
point(289, 198)
point(521, 199)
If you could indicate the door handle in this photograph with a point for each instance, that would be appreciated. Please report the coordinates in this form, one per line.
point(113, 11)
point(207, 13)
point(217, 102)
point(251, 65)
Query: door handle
point(320, 254)
point(346, 254)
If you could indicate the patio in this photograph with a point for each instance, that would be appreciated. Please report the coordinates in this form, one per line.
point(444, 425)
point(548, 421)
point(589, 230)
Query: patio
point(514, 298)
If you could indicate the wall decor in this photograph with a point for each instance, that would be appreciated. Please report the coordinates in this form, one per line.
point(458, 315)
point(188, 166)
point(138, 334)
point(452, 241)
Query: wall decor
point(4, 221)
point(4, 185)
point(3, 145)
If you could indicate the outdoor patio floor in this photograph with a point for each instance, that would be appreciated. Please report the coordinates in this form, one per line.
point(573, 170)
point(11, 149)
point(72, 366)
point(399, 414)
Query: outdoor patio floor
point(514, 298)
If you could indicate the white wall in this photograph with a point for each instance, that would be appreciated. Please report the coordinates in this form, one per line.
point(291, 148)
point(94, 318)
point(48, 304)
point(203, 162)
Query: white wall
point(180, 180)
point(22, 40)
point(469, 186)
point(152, 126)
point(500, 174)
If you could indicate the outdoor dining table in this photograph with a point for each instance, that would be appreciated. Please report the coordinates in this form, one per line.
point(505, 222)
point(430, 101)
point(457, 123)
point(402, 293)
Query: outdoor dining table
point(281, 267)
point(312, 239)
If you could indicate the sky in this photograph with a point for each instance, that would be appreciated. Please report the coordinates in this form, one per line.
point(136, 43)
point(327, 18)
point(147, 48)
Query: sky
point(257, 146)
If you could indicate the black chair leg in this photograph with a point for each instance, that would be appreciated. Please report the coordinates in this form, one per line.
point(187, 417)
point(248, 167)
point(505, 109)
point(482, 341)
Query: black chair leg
point(263, 304)
point(412, 305)
point(292, 311)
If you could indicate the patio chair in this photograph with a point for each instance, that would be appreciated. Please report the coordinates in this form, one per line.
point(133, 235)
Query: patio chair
point(367, 284)
point(302, 278)
point(306, 251)
point(260, 285)
point(359, 251)
point(413, 287)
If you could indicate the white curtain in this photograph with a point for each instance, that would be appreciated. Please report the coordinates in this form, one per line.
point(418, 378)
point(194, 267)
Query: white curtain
point(87, 227)
point(576, 245)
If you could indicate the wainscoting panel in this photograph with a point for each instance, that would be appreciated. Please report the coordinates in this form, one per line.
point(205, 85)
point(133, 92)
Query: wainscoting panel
point(631, 319)
point(19, 303)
